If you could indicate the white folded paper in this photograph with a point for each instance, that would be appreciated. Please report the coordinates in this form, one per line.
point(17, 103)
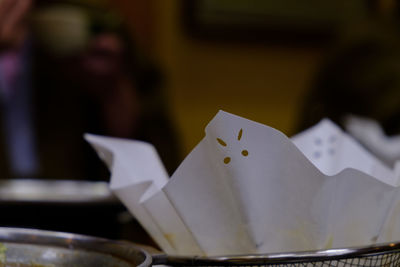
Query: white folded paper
point(369, 133)
point(247, 188)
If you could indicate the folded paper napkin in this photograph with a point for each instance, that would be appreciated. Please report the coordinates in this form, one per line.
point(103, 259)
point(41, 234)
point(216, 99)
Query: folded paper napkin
point(247, 188)
point(371, 134)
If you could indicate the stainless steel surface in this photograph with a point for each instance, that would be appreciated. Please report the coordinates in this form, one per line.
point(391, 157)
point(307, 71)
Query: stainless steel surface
point(26, 246)
point(54, 191)
point(386, 255)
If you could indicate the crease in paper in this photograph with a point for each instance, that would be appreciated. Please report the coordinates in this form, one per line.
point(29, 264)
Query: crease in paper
point(137, 179)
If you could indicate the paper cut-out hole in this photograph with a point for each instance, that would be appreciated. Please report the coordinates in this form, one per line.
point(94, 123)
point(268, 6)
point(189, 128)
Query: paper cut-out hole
point(317, 154)
point(221, 142)
point(240, 134)
point(318, 141)
point(332, 139)
point(244, 152)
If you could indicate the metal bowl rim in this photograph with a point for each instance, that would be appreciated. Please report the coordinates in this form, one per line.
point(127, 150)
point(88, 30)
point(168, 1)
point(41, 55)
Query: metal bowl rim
point(70, 240)
point(65, 197)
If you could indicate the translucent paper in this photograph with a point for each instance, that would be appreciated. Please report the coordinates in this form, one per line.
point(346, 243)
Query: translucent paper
point(247, 188)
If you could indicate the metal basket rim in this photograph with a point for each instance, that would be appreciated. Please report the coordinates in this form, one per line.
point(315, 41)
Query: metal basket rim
point(120, 249)
point(281, 258)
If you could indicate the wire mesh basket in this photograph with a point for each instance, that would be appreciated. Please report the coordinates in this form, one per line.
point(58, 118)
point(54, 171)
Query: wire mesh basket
point(384, 255)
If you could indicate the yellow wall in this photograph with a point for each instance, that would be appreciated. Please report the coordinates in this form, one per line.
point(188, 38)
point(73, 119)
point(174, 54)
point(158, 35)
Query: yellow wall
point(262, 82)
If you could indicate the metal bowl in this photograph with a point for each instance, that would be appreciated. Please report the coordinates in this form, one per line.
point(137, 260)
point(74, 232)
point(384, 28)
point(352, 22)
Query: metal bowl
point(71, 206)
point(28, 247)
point(54, 191)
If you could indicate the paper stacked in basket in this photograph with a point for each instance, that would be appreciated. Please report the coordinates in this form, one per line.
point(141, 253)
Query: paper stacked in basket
point(247, 188)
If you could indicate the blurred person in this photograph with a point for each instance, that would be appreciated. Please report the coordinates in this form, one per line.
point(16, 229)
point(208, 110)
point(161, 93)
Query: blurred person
point(66, 68)
point(360, 76)
point(69, 69)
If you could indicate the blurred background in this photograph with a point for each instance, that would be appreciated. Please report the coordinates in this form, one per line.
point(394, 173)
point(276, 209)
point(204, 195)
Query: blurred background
point(257, 59)
point(160, 70)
